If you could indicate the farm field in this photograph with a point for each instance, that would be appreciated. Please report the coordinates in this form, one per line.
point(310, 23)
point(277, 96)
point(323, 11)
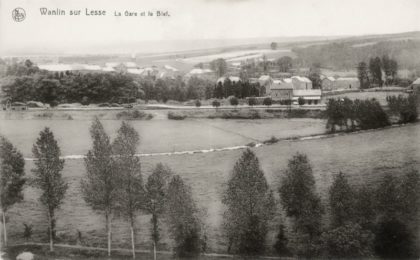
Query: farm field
point(238, 55)
point(164, 135)
point(363, 156)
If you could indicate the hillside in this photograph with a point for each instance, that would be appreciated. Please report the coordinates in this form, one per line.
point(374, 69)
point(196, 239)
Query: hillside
point(348, 52)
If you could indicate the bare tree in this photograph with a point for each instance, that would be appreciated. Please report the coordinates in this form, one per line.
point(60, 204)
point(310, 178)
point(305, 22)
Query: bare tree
point(100, 183)
point(48, 168)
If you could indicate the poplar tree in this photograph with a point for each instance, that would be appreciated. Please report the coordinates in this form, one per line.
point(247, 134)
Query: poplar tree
point(183, 220)
point(156, 190)
point(130, 195)
point(12, 171)
point(363, 75)
point(99, 186)
point(250, 205)
point(300, 200)
point(342, 201)
point(48, 177)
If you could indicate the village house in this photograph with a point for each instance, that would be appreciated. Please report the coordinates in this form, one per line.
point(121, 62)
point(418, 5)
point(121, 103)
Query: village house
point(415, 86)
point(346, 83)
point(327, 83)
point(281, 89)
point(301, 82)
point(265, 81)
point(294, 88)
point(311, 96)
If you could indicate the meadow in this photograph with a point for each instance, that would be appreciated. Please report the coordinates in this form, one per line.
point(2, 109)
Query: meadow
point(364, 157)
point(161, 135)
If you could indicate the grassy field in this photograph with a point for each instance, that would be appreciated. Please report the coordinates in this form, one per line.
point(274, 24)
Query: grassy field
point(363, 156)
point(162, 135)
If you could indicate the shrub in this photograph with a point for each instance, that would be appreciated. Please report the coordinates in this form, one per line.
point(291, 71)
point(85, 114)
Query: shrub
point(85, 101)
point(301, 101)
point(176, 116)
point(393, 240)
point(134, 114)
point(252, 101)
point(104, 105)
point(173, 102)
point(215, 103)
point(197, 103)
point(349, 240)
point(267, 101)
point(27, 232)
point(234, 101)
point(369, 114)
point(54, 103)
point(272, 140)
point(405, 107)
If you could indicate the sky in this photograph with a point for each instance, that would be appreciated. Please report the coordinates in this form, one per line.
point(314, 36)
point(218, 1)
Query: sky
point(195, 20)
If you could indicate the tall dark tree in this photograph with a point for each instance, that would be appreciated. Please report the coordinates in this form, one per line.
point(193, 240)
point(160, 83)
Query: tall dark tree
point(219, 66)
point(131, 194)
point(365, 208)
point(315, 75)
point(156, 190)
point(363, 75)
point(273, 45)
point(375, 70)
point(250, 205)
point(285, 63)
point(184, 223)
point(48, 177)
point(342, 201)
point(99, 186)
point(12, 178)
point(300, 200)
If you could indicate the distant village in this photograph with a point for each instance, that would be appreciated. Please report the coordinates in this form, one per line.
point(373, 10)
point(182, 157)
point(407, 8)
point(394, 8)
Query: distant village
point(283, 87)
point(278, 79)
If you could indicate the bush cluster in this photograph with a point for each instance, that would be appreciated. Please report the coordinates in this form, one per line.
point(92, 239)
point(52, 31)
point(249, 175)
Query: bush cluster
point(362, 114)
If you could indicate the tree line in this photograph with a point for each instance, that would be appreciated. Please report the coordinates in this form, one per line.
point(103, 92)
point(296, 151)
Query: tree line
point(371, 74)
point(365, 221)
point(113, 185)
point(32, 84)
point(369, 114)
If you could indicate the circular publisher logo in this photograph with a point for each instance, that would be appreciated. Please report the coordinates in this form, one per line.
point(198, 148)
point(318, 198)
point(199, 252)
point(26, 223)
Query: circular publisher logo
point(18, 14)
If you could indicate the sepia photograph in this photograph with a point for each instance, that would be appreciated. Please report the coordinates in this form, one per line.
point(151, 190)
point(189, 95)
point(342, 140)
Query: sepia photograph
point(209, 129)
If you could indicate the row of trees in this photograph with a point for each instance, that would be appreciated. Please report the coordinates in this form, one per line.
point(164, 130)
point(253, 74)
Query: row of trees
point(368, 114)
point(238, 89)
point(32, 84)
point(113, 185)
point(403, 107)
point(371, 74)
point(64, 87)
point(363, 114)
point(363, 221)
